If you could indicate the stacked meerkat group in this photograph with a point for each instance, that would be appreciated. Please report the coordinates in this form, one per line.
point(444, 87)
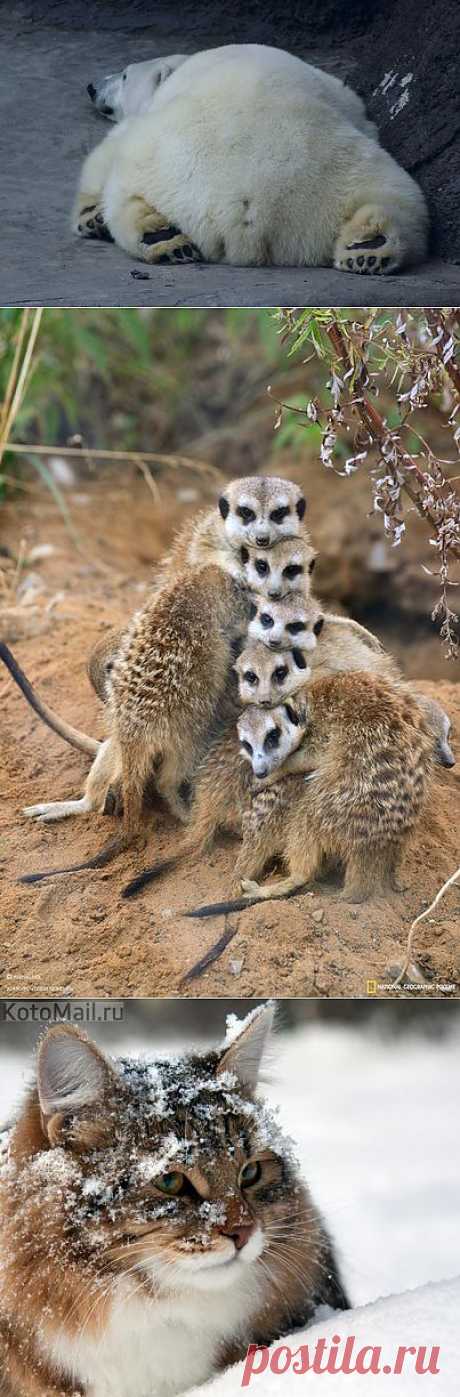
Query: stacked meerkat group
point(320, 698)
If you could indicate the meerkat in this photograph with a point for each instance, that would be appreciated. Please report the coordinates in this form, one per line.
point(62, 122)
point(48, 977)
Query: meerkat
point(168, 677)
point(284, 568)
point(267, 678)
point(257, 511)
point(353, 791)
point(282, 624)
point(223, 781)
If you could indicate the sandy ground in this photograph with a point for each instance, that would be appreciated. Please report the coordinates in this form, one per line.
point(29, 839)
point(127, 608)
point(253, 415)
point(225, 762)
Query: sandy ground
point(74, 935)
point(45, 136)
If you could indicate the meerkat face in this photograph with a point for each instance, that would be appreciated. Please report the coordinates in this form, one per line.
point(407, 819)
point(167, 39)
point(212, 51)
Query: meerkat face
point(280, 570)
point(261, 511)
point(440, 726)
point(266, 679)
point(268, 736)
point(282, 625)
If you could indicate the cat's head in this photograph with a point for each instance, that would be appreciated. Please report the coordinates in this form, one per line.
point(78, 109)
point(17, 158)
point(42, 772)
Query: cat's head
point(169, 1166)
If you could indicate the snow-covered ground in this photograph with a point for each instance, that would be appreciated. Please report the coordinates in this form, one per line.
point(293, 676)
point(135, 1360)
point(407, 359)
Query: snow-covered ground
point(377, 1128)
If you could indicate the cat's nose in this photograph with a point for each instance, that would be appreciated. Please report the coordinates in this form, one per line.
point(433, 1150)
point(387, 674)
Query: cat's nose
point(240, 1235)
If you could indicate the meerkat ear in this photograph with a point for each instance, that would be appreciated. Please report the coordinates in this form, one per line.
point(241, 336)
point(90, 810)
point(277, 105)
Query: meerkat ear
point(224, 506)
point(292, 714)
point(299, 659)
point(252, 610)
point(301, 507)
point(244, 555)
point(312, 565)
point(318, 626)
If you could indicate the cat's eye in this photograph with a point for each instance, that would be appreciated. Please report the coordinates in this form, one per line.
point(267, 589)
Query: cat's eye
point(246, 515)
point(173, 1183)
point(262, 567)
point(250, 677)
point(295, 626)
point(292, 570)
point(278, 515)
point(250, 1174)
point(267, 620)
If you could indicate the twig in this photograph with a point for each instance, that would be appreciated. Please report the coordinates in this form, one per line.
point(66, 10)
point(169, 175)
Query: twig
point(18, 393)
point(158, 457)
point(410, 940)
point(441, 340)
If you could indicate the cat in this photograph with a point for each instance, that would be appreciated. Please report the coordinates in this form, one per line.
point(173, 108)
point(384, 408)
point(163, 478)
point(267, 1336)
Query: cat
point(152, 1222)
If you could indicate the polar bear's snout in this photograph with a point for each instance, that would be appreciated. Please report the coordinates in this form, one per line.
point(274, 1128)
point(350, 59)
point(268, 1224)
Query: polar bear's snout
point(106, 96)
point(131, 92)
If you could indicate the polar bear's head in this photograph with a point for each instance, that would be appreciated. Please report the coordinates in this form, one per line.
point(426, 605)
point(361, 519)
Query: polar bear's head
point(131, 92)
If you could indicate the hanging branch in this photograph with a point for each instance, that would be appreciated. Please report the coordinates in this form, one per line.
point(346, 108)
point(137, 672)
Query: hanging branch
point(418, 357)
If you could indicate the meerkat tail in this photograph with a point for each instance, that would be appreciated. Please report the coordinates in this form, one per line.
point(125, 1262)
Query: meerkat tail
point(149, 875)
point(105, 856)
point(217, 909)
point(72, 735)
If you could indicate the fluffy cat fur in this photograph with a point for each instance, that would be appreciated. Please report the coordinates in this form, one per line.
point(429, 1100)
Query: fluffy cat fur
point(138, 1257)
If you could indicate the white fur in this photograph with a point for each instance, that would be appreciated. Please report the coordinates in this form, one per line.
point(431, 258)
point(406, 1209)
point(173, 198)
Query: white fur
point(158, 1347)
point(258, 158)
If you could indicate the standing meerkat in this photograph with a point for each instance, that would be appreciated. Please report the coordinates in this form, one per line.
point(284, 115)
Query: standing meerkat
point(223, 781)
point(169, 674)
point(352, 791)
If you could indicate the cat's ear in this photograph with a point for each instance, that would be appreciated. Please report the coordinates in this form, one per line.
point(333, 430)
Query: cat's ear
point(71, 1072)
point(243, 1048)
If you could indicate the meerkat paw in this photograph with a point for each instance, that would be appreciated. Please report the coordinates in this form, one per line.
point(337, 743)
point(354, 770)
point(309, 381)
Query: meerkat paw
point(251, 888)
point(56, 810)
point(368, 244)
point(88, 220)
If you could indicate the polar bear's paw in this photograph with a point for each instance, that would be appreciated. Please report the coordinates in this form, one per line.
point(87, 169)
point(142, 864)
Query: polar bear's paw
point(89, 221)
point(368, 244)
point(167, 245)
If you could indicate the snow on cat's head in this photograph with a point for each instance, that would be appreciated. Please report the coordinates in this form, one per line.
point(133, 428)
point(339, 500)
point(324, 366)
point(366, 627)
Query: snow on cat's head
point(171, 1166)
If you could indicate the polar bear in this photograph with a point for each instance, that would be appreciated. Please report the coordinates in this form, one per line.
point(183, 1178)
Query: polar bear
point(260, 157)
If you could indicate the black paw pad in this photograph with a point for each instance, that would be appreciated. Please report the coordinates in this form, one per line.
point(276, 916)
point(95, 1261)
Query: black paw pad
point(360, 261)
point(87, 209)
point(371, 261)
point(377, 241)
point(385, 262)
point(162, 235)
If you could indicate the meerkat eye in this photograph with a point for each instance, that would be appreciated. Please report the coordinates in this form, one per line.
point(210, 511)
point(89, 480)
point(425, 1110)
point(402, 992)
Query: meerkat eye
point(223, 506)
point(252, 611)
point(272, 740)
point(280, 674)
point(247, 746)
point(299, 659)
point(292, 570)
point(312, 565)
point(250, 677)
point(301, 507)
point(266, 620)
point(294, 627)
point(261, 567)
point(318, 626)
point(277, 516)
point(246, 515)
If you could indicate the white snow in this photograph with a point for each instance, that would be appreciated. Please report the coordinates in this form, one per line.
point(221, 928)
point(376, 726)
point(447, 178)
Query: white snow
point(424, 1317)
point(376, 1125)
